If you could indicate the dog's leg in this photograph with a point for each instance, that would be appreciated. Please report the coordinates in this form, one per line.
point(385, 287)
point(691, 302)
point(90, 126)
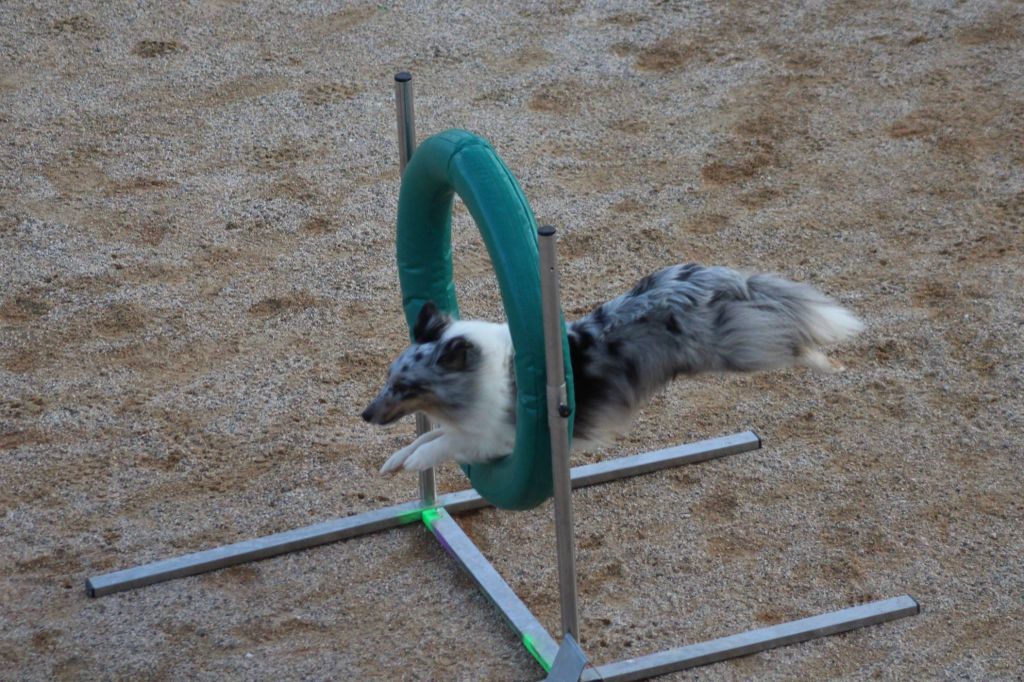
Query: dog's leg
point(432, 454)
point(396, 460)
point(815, 359)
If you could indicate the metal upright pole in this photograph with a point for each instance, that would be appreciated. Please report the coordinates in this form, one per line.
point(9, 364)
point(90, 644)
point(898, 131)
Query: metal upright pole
point(406, 118)
point(406, 146)
point(558, 414)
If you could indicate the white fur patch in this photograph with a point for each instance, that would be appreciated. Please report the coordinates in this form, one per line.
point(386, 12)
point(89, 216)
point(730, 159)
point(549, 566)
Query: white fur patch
point(833, 324)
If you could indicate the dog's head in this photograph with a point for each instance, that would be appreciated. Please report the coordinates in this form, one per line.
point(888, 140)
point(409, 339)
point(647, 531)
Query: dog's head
point(433, 375)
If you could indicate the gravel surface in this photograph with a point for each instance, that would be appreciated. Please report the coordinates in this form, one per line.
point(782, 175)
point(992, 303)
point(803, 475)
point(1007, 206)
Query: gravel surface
point(199, 295)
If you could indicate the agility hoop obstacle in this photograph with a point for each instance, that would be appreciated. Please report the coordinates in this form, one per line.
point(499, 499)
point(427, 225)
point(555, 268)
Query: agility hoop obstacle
point(458, 162)
point(525, 261)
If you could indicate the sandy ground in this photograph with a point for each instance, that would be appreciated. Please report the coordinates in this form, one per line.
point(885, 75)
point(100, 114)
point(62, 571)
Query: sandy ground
point(199, 295)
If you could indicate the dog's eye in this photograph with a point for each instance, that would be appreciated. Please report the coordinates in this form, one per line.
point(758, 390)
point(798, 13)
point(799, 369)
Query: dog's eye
point(404, 389)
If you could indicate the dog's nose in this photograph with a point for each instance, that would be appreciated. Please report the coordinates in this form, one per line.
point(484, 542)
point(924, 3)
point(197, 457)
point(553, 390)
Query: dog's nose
point(367, 414)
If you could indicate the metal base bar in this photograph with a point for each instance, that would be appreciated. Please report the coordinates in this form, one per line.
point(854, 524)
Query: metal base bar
point(451, 536)
point(252, 550)
point(397, 515)
point(569, 663)
point(754, 641)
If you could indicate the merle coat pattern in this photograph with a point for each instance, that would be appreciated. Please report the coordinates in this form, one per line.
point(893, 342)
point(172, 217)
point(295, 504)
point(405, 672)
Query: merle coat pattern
point(683, 320)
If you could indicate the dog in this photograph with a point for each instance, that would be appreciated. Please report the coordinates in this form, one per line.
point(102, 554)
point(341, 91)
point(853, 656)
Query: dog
point(682, 320)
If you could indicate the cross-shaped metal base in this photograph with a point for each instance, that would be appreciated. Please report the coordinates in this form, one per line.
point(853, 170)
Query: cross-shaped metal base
point(534, 636)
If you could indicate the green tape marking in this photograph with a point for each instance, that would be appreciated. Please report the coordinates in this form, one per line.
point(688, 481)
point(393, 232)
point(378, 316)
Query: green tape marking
point(410, 516)
point(531, 646)
point(429, 516)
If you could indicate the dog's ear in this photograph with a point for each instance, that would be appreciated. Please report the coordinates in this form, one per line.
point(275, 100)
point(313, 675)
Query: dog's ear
point(455, 354)
point(430, 324)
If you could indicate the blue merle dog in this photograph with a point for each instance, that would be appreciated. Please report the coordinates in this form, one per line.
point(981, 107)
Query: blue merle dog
point(685, 319)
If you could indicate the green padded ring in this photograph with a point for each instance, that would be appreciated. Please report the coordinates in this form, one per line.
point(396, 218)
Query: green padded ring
point(458, 162)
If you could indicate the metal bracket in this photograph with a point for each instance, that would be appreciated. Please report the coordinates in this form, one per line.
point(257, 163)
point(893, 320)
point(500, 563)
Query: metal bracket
point(569, 663)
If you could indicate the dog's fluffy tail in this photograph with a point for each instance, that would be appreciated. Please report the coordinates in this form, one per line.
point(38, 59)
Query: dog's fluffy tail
point(779, 322)
point(688, 319)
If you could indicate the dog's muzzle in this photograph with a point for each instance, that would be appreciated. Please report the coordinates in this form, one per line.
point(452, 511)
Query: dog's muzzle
point(382, 411)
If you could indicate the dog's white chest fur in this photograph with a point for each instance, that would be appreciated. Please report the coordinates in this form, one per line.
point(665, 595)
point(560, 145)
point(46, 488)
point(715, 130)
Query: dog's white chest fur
point(483, 426)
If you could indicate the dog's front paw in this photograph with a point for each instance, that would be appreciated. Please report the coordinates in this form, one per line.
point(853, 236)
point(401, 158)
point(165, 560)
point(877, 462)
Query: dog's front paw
point(395, 462)
point(430, 455)
point(417, 462)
